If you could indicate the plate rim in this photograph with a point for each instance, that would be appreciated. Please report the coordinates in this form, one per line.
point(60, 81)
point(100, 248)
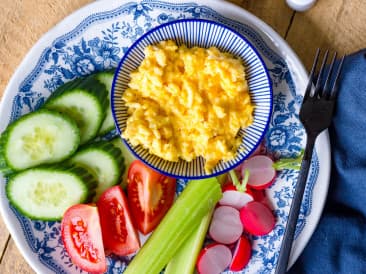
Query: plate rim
point(236, 13)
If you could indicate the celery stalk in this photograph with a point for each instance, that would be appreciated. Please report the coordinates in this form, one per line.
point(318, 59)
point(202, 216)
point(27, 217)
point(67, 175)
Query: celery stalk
point(195, 202)
point(184, 260)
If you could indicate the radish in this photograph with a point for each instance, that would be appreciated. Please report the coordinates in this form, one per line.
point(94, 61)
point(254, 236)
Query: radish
point(239, 186)
point(228, 186)
point(214, 259)
point(235, 199)
point(235, 193)
point(261, 171)
point(226, 226)
point(242, 254)
point(257, 218)
point(257, 194)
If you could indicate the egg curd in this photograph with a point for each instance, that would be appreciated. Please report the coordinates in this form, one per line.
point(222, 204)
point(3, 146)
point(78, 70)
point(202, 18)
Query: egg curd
point(188, 102)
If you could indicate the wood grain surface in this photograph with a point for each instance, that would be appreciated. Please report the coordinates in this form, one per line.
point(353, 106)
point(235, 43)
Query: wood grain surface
point(22, 23)
point(335, 24)
point(338, 25)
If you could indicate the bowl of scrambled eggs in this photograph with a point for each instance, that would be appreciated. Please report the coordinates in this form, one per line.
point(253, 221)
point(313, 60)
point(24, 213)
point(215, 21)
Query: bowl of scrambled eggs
point(192, 98)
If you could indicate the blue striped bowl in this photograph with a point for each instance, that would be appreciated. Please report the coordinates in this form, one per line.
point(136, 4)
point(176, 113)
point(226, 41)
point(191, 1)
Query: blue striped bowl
point(202, 33)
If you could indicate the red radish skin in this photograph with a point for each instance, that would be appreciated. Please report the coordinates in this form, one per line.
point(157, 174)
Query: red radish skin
point(242, 254)
point(257, 218)
point(214, 259)
point(226, 226)
point(257, 194)
point(261, 171)
point(235, 199)
point(228, 186)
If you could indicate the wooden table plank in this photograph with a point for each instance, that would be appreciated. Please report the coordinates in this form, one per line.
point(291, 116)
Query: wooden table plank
point(22, 24)
point(275, 13)
point(4, 239)
point(13, 262)
point(334, 24)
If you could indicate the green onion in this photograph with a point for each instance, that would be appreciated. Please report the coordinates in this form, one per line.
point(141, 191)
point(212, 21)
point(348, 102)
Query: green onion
point(289, 163)
point(240, 186)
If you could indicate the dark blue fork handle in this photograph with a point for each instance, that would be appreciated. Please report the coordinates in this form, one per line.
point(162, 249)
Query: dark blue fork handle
point(289, 234)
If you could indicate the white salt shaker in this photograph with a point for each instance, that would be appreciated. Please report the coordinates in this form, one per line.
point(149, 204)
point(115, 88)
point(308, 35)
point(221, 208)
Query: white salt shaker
point(300, 5)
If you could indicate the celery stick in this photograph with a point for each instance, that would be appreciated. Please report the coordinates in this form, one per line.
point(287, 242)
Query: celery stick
point(184, 260)
point(196, 200)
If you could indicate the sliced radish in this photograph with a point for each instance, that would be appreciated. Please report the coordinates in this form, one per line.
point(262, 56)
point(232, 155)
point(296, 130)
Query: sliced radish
point(226, 227)
point(257, 194)
point(235, 199)
point(242, 254)
point(261, 171)
point(228, 186)
point(214, 259)
point(257, 218)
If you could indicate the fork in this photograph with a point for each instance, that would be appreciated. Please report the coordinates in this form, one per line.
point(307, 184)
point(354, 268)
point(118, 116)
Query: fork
point(316, 114)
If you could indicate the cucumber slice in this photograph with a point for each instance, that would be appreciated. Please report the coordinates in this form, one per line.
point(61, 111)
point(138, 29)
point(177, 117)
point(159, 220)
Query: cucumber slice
point(106, 78)
point(39, 137)
point(104, 160)
point(83, 99)
point(127, 156)
point(4, 168)
point(44, 193)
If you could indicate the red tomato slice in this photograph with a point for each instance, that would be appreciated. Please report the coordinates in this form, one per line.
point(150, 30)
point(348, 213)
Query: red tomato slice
point(81, 235)
point(150, 195)
point(119, 235)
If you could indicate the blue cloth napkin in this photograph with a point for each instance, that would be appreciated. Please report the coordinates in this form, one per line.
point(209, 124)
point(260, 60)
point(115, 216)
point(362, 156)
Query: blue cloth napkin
point(338, 244)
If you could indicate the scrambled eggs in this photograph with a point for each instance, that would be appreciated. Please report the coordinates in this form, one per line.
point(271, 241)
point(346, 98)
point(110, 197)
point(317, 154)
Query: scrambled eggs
point(188, 102)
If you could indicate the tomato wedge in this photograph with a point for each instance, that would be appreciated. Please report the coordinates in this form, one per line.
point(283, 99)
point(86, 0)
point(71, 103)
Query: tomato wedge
point(150, 195)
point(119, 235)
point(81, 235)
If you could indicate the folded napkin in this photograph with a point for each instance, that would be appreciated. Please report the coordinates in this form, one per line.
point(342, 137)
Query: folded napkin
point(338, 244)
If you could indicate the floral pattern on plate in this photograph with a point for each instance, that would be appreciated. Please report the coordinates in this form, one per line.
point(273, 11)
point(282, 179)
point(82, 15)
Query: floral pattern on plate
point(98, 43)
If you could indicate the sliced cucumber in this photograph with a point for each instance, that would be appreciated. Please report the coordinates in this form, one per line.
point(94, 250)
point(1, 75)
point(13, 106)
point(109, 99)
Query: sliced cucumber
point(127, 155)
point(4, 168)
point(44, 193)
point(85, 100)
point(106, 78)
point(39, 137)
point(104, 160)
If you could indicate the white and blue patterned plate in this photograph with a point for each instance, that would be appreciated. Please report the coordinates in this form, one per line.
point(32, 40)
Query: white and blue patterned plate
point(95, 38)
point(202, 33)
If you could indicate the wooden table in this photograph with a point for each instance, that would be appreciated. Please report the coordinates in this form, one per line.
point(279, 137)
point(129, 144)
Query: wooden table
point(335, 24)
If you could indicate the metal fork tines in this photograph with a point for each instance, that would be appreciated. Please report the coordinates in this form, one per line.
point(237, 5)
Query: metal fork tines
point(316, 115)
